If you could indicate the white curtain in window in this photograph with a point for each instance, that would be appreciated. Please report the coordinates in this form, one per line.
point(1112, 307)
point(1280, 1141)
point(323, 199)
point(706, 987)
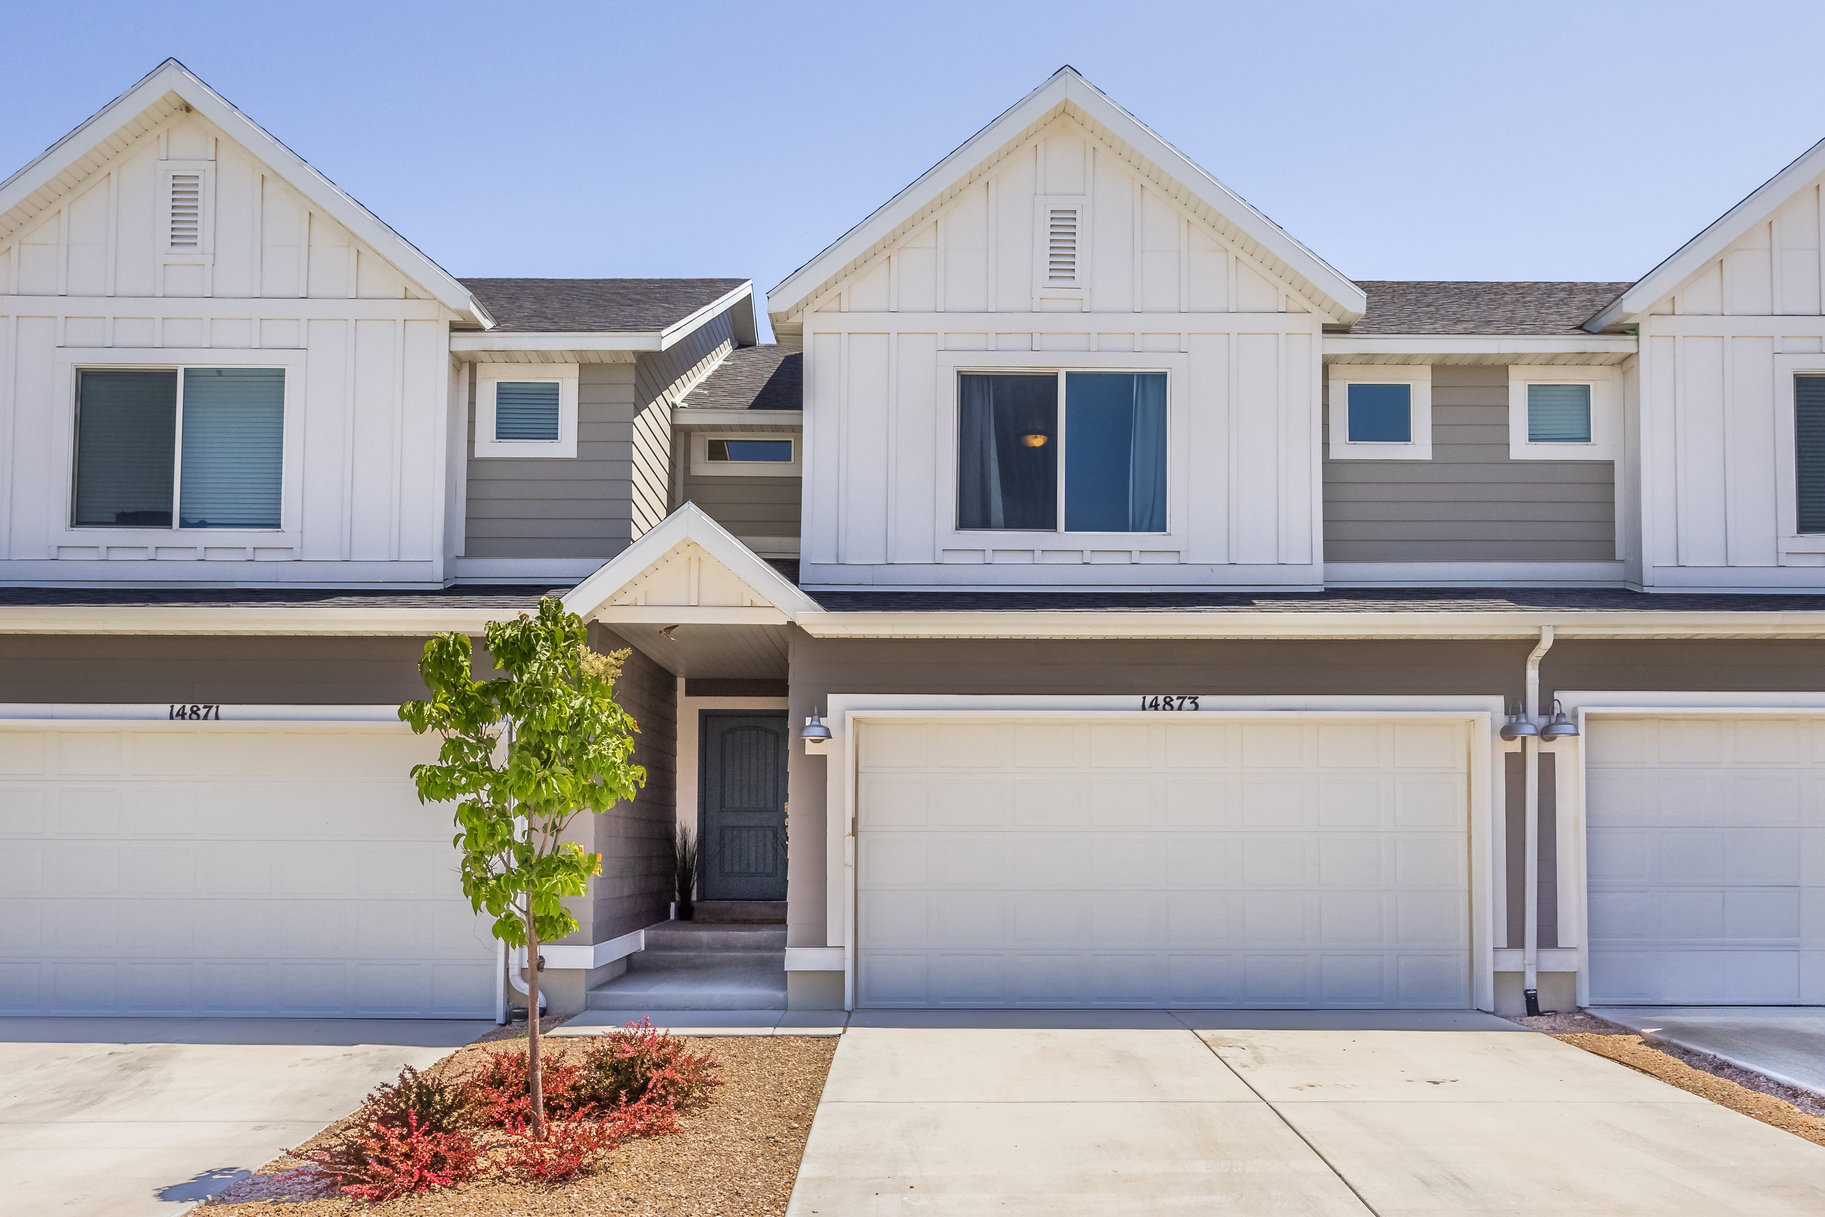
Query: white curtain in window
point(233, 447)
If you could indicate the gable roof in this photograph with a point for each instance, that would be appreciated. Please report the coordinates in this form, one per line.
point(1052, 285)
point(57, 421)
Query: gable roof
point(1479, 307)
point(1685, 261)
point(578, 306)
point(1066, 91)
point(770, 377)
point(689, 525)
point(168, 89)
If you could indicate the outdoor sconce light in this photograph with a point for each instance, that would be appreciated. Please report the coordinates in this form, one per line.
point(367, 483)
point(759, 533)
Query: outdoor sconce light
point(815, 734)
point(1560, 727)
point(1518, 726)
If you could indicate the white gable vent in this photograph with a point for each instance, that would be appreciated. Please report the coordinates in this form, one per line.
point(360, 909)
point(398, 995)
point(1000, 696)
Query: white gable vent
point(188, 191)
point(186, 210)
point(1061, 232)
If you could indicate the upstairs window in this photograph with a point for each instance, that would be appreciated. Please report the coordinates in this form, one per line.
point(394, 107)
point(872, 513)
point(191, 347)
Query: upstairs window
point(744, 454)
point(201, 447)
point(526, 409)
point(1809, 454)
point(1099, 464)
point(1564, 413)
point(1558, 414)
point(1381, 413)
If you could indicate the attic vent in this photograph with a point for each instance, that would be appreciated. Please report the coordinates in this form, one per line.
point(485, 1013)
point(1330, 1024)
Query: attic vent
point(1061, 246)
point(186, 211)
point(1061, 230)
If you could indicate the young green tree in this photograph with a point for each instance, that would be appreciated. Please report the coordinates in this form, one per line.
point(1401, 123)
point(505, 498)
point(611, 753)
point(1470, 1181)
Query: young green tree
point(524, 753)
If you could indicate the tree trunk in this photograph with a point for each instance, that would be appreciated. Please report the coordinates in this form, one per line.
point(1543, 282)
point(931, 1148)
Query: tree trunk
point(534, 1079)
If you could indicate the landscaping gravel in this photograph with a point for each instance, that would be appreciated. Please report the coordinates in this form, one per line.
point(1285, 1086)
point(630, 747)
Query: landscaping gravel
point(1797, 1111)
point(735, 1156)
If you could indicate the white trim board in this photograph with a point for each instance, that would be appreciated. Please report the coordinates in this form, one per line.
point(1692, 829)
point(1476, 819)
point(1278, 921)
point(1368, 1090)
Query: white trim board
point(1486, 795)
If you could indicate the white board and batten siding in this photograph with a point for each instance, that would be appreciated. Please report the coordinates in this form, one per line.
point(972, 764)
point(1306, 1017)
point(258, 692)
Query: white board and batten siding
point(1716, 360)
point(257, 272)
point(1155, 289)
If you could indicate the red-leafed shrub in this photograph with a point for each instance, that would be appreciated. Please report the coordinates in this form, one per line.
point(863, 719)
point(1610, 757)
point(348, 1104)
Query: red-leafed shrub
point(500, 1092)
point(373, 1161)
point(568, 1146)
point(640, 1065)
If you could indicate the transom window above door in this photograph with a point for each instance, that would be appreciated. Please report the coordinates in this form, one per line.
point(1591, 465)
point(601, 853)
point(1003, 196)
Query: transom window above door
point(179, 447)
point(1098, 464)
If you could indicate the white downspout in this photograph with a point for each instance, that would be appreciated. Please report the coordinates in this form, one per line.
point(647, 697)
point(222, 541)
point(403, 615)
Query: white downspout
point(1530, 760)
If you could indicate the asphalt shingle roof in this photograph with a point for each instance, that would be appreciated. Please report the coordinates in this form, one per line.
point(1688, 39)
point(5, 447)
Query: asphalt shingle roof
point(753, 378)
point(1482, 308)
point(581, 306)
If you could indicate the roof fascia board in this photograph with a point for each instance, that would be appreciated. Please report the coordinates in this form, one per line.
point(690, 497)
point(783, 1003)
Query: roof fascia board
point(1128, 624)
point(684, 327)
point(1477, 344)
point(1685, 261)
point(1065, 86)
point(688, 523)
point(173, 77)
point(220, 619)
point(699, 416)
point(613, 340)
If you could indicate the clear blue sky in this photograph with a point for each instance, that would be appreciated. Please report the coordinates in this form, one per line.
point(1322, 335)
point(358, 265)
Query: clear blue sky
point(1458, 140)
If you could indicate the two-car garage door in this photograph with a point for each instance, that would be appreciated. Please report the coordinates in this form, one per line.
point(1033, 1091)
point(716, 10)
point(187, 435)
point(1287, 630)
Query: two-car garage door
point(1179, 860)
point(205, 868)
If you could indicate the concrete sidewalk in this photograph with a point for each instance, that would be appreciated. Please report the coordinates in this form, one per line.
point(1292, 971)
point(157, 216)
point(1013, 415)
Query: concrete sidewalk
point(1147, 1113)
point(131, 1117)
point(1786, 1043)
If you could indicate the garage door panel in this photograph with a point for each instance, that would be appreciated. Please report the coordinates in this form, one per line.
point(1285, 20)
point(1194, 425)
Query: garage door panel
point(1699, 867)
point(1207, 863)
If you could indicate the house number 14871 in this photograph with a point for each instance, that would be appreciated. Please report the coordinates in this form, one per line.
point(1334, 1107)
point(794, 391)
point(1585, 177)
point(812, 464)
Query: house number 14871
point(196, 712)
point(1169, 703)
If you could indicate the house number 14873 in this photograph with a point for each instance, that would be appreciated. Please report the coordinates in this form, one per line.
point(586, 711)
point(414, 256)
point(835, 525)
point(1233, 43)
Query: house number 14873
point(1169, 703)
point(196, 712)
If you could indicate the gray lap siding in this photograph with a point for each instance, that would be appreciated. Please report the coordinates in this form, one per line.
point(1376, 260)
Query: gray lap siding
point(1470, 502)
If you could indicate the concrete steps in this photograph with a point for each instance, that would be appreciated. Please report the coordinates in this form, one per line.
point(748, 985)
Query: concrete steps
point(701, 965)
point(770, 912)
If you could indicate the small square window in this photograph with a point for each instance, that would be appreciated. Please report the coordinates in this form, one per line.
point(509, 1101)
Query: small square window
point(1558, 414)
point(526, 410)
point(1381, 414)
point(1570, 413)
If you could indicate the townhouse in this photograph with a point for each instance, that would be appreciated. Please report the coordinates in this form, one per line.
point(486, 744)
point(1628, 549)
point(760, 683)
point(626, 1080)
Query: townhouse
point(1092, 598)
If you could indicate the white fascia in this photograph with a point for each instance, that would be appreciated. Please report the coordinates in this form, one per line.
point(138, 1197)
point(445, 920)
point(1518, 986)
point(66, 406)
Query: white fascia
point(1463, 348)
point(221, 620)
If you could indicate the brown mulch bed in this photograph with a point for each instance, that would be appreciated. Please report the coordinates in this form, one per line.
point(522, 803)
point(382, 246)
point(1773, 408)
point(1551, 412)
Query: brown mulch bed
point(1789, 1108)
point(737, 1155)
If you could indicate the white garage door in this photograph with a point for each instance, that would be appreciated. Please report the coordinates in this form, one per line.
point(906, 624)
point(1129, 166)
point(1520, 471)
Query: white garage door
point(1706, 857)
point(1197, 861)
point(192, 868)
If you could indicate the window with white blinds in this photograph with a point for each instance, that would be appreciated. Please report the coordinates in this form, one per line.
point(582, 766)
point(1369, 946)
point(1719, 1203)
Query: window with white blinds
point(1809, 453)
point(1558, 414)
point(201, 446)
point(526, 410)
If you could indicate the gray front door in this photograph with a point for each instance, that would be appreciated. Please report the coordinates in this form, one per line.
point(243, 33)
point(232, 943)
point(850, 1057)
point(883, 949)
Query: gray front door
point(742, 789)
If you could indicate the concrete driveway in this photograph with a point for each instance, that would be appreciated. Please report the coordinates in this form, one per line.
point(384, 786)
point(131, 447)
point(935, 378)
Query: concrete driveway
point(1786, 1043)
point(124, 1117)
point(1148, 1113)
